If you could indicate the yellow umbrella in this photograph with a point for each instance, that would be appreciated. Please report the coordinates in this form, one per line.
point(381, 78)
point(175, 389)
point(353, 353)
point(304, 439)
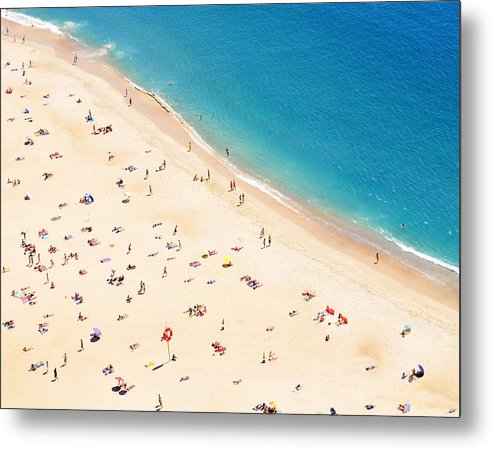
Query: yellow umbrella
point(227, 260)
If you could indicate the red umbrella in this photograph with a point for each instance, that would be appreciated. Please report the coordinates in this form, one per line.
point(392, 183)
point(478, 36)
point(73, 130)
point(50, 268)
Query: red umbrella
point(168, 334)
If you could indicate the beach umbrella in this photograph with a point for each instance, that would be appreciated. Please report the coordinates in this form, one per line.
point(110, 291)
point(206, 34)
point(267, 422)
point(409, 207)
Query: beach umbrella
point(420, 373)
point(227, 259)
point(119, 379)
point(97, 331)
point(408, 327)
point(127, 194)
point(166, 336)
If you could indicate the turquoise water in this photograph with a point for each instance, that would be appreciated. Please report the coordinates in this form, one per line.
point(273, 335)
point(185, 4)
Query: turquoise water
point(350, 108)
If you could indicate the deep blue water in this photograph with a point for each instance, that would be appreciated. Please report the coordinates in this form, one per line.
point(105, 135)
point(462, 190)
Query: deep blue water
point(352, 108)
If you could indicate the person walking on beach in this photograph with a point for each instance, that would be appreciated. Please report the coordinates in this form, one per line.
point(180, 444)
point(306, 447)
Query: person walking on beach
point(377, 259)
point(164, 273)
point(65, 359)
point(264, 243)
point(129, 248)
point(23, 39)
point(208, 174)
point(150, 190)
point(55, 375)
point(46, 372)
point(262, 233)
point(269, 240)
point(130, 101)
point(81, 345)
point(179, 244)
point(126, 93)
point(234, 184)
point(146, 174)
point(160, 401)
point(175, 230)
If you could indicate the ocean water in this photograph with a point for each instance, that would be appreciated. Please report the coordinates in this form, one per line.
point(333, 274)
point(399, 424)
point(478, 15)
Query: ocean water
point(349, 108)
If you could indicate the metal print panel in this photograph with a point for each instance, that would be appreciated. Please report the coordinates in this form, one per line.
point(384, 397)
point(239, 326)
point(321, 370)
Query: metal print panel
point(234, 208)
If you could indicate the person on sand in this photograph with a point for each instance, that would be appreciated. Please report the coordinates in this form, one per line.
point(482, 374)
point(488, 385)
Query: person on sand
point(150, 190)
point(129, 248)
point(175, 230)
point(164, 273)
point(55, 375)
point(81, 345)
point(269, 240)
point(160, 401)
point(142, 288)
point(130, 102)
point(65, 359)
point(377, 259)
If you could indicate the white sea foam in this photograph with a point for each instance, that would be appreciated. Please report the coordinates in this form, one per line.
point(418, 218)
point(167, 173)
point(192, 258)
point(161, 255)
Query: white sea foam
point(434, 260)
point(26, 20)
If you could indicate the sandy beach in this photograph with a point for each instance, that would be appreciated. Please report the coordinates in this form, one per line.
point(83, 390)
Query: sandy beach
point(135, 227)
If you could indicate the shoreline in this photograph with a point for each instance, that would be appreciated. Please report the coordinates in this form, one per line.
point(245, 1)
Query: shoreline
point(429, 266)
point(358, 243)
